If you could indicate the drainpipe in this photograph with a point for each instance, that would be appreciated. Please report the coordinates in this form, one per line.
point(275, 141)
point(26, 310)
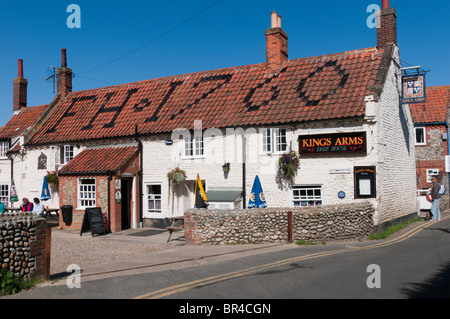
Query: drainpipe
point(12, 177)
point(243, 165)
point(140, 173)
point(110, 174)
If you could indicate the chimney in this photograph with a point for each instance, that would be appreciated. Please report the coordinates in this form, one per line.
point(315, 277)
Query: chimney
point(276, 43)
point(19, 89)
point(64, 76)
point(387, 28)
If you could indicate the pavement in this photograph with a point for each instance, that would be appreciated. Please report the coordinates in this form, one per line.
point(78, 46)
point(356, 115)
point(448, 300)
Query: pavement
point(136, 251)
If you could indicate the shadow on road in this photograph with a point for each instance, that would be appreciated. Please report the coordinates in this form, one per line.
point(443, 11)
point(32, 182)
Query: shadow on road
point(436, 287)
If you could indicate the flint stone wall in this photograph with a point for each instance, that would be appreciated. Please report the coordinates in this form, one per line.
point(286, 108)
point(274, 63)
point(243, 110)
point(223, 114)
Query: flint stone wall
point(23, 240)
point(266, 225)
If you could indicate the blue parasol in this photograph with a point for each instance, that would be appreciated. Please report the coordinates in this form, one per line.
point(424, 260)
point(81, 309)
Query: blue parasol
point(257, 199)
point(45, 195)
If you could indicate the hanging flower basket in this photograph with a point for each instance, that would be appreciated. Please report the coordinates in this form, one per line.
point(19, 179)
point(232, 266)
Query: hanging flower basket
point(288, 165)
point(53, 179)
point(176, 176)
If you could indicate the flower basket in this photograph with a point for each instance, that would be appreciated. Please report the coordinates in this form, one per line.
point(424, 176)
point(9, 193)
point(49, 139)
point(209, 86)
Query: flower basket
point(176, 177)
point(52, 179)
point(288, 165)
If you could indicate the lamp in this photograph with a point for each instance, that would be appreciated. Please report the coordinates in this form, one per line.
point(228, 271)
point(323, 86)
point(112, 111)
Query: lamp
point(226, 167)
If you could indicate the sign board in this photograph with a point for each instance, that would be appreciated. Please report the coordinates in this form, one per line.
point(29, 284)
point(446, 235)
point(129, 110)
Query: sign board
point(414, 89)
point(365, 184)
point(348, 143)
point(93, 221)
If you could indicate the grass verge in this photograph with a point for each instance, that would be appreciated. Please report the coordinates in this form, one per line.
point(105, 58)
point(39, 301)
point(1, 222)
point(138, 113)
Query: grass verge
point(392, 229)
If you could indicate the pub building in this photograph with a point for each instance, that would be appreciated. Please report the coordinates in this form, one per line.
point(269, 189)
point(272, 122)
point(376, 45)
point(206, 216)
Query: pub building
point(116, 147)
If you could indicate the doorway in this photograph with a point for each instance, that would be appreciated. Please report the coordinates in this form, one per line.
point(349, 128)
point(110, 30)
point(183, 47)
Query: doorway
point(126, 188)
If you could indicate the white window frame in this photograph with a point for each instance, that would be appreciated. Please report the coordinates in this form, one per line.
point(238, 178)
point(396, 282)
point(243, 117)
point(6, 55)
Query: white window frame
point(68, 153)
point(154, 198)
point(4, 148)
point(424, 135)
point(431, 172)
point(271, 140)
point(4, 194)
point(310, 198)
point(193, 147)
point(86, 194)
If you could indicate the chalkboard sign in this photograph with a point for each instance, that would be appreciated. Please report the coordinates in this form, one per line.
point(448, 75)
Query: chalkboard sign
point(93, 221)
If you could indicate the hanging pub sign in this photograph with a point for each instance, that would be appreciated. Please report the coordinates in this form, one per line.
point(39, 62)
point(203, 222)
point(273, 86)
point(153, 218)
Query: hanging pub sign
point(413, 89)
point(348, 143)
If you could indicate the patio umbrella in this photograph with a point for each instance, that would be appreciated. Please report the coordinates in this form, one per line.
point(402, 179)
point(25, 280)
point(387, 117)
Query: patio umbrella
point(45, 195)
point(257, 199)
point(201, 201)
point(13, 197)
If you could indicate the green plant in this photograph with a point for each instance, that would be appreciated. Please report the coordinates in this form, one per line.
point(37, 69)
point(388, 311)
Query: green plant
point(52, 178)
point(176, 177)
point(305, 243)
point(391, 230)
point(12, 284)
point(288, 164)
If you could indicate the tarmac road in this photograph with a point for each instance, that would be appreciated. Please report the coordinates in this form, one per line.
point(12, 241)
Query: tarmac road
point(414, 263)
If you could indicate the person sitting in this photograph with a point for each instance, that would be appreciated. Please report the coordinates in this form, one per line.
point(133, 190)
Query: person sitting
point(38, 208)
point(26, 206)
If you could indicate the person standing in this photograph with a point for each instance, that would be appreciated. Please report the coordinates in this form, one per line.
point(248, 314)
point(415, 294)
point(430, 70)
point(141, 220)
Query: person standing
point(436, 199)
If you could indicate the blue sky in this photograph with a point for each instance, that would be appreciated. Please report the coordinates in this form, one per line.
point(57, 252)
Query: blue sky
point(127, 41)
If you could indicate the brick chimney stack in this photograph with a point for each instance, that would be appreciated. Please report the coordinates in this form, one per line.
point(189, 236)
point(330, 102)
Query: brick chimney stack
point(19, 89)
point(276, 43)
point(387, 28)
point(64, 76)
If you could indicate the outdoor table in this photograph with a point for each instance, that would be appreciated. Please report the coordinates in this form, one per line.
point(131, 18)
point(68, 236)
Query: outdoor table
point(49, 211)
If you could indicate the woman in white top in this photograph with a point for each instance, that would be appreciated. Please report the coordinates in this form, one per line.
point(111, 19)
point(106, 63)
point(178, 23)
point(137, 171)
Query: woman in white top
point(38, 207)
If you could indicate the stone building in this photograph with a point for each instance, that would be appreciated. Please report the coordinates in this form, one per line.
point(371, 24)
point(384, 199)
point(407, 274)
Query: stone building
point(431, 121)
point(340, 112)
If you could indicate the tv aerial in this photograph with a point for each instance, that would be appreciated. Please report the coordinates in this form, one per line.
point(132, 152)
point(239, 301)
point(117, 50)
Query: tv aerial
point(51, 76)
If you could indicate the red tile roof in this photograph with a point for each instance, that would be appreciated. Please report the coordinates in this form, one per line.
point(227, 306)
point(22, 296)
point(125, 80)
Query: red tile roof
point(99, 160)
point(316, 88)
point(436, 107)
point(21, 122)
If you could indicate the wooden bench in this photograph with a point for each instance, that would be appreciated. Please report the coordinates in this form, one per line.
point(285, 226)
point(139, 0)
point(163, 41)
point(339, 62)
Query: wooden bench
point(177, 225)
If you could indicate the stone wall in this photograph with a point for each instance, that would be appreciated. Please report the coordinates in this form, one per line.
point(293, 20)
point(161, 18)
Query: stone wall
point(25, 245)
point(265, 225)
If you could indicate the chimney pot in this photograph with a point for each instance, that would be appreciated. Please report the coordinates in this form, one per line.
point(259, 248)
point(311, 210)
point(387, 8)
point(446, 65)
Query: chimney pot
point(385, 4)
point(63, 58)
point(20, 69)
point(274, 18)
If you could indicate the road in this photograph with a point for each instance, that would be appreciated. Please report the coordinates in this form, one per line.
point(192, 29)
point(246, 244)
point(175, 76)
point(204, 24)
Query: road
point(412, 264)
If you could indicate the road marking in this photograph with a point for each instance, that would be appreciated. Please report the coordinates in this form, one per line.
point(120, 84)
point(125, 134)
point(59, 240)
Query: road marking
point(240, 273)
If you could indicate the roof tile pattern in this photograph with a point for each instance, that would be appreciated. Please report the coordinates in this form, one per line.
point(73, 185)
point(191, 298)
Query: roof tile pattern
point(436, 107)
point(316, 88)
point(99, 160)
